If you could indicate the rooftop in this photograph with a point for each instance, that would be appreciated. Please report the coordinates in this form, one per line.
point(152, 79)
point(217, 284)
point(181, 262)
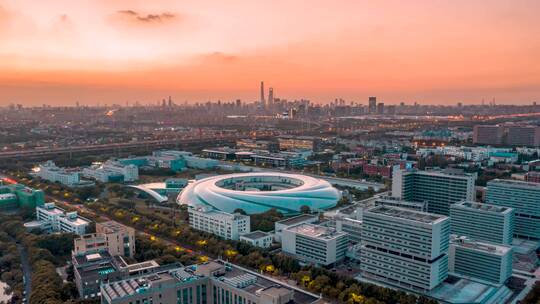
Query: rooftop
point(480, 206)
point(255, 235)
point(316, 231)
point(407, 214)
point(112, 226)
point(246, 280)
point(511, 182)
point(297, 219)
point(479, 246)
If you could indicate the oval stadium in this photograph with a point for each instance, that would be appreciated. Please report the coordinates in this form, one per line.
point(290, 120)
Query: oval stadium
point(259, 192)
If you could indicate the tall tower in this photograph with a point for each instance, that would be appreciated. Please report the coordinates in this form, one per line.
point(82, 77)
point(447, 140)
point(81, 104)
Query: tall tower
point(271, 97)
point(262, 94)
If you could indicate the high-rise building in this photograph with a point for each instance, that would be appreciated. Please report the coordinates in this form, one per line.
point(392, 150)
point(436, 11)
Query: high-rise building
point(263, 102)
point(372, 106)
point(482, 222)
point(519, 135)
point(314, 244)
point(513, 135)
point(440, 188)
point(488, 135)
point(524, 198)
point(485, 261)
point(404, 248)
point(270, 97)
point(380, 108)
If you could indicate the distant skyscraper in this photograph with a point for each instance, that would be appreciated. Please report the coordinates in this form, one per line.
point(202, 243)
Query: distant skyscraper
point(262, 93)
point(380, 108)
point(372, 105)
point(270, 96)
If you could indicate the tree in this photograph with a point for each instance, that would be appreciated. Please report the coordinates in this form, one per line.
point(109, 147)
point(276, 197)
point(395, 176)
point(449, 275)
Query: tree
point(240, 210)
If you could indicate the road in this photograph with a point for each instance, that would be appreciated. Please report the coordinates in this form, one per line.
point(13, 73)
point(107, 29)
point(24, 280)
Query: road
point(149, 145)
point(27, 270)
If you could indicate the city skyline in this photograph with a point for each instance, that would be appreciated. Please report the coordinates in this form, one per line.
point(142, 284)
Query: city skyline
point(63, 52)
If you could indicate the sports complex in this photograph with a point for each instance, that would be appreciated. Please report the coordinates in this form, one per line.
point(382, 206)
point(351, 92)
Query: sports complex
point(259, 192)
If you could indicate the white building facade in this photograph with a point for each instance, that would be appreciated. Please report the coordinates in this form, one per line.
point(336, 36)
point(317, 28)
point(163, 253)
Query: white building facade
point(315, 244)
point(54, 219)
point(226, 225)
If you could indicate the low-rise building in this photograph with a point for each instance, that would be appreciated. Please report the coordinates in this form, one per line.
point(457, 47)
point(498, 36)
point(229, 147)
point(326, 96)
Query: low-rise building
point(51, 172)
point(54, 219)
point(315, 244)
point(92, 270)
point(292, 221)
point(216, 282)
point(110, 236)
point(19, 196)
point(485, 261)
point(257, 239)
point(226, 225)
point(95, 269)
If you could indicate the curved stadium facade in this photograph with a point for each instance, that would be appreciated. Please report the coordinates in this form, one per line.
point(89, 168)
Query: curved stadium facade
point(259, 192)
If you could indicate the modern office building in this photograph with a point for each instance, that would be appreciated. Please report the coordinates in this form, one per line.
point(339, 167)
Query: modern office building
point(485, 261)
point(279, 160)
point(258, 239)
point(439, 188)
point(291, 143)
point(507, 134)
point(229, 226)
point(259, 192)
point(372, 105)
point(251, 144)
point(522, 135)
point(532, 177)
point(112, 171)
point(94, 269)
point(215, 282)
point(91, 270)
point(49, 171)
point(97, 173)
point(314, 244)
point(351, 226)
point(404, 248)
point(524, 198)
point(110, 236)
point(482, 222)
point(54, 219)
point(15, 196)
point(488, 135)
point(279, 226)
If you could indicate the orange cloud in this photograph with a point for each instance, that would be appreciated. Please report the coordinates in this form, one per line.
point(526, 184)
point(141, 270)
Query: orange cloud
point(146, 18)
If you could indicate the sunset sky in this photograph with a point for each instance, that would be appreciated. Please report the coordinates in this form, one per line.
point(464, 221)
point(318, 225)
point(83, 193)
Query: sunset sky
point(113, 51)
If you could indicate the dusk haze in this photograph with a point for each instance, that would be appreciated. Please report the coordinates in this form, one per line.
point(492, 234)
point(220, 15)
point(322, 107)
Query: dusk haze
point(436, 52)
point(269, 152)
